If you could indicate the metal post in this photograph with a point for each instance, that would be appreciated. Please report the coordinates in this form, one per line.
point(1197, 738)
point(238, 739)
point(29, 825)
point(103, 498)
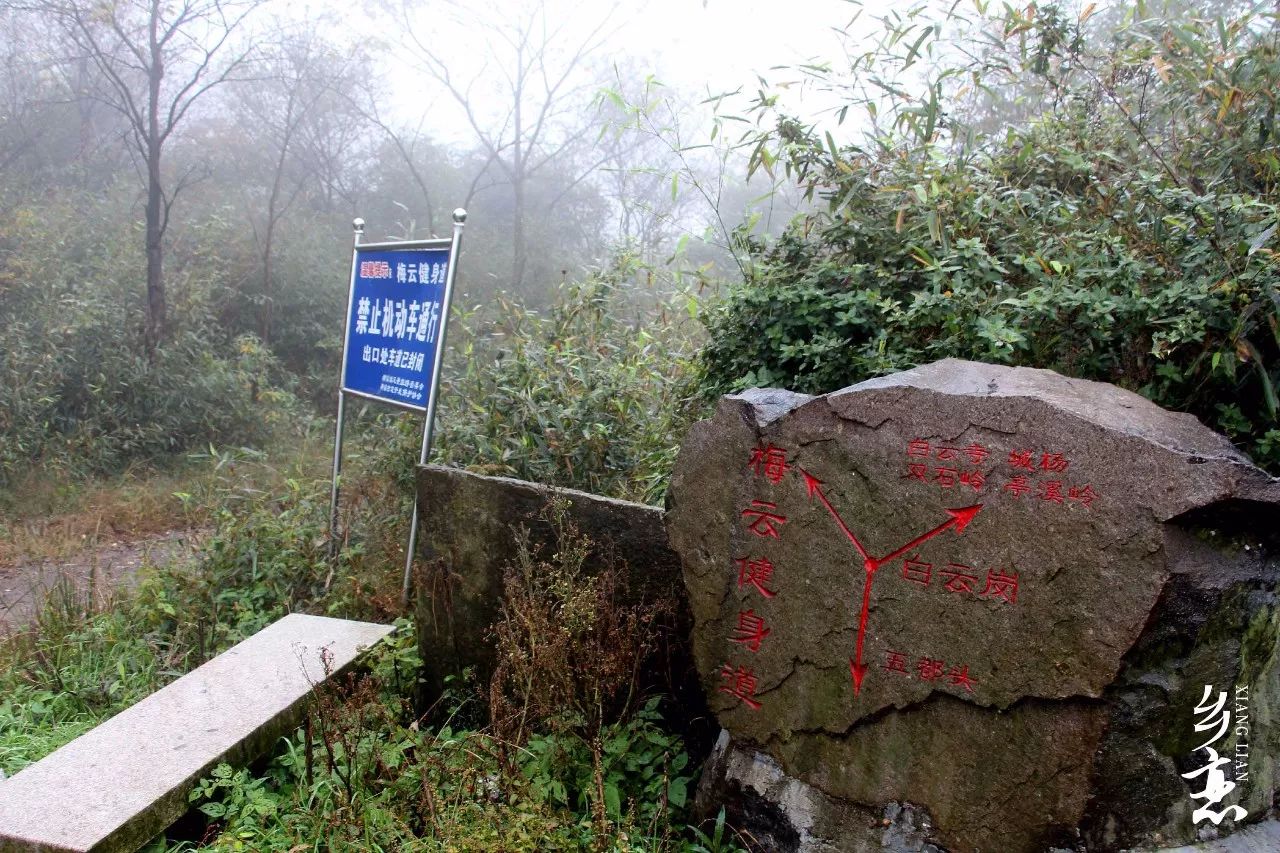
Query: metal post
point(357, 226)
point(428, 424)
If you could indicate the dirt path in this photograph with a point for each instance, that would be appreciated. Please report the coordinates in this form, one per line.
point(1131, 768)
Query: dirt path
point(25, 585)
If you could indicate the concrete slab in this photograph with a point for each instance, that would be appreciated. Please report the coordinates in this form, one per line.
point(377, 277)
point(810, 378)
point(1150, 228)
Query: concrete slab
point(122, 783)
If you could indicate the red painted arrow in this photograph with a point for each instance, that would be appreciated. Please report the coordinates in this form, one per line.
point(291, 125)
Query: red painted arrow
point(814, 487)
point(960, 519)
point(856, 667)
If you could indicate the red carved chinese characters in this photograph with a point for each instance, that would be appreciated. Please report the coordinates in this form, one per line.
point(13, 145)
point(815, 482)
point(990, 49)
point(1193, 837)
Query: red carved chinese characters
point(764, 521)
point(741, 684)
point(1018, 486)
point(896, 662)
point(951, 474)
point(959, 676)
point(1021, 459)
point(1084, 495)
point(960, 579)
point(1053, 488)
point(751, 630)
point(929, 669)
point(1053, 462)
point(957, 578)
point(1002, 586)
point(769, 462)
point(755, 572)
point(1038, 477)
point(916, 571)
point(913, 569)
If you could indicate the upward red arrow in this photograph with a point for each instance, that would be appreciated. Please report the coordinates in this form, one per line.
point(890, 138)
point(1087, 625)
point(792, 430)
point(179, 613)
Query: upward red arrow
point(960, 519)
point(814, 487)
point(964, 515)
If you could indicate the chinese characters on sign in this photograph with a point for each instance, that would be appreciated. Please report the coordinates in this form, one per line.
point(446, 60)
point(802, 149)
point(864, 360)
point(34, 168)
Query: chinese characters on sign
point(755, 576)
point(1037, 474)
point(395, 324)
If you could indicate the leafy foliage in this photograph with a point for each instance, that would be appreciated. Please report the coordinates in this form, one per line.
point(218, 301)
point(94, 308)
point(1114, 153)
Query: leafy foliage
point(594, 395)
point(637, 765)
point(81, 393)
point(569, 643)
point(569, 649)
point(373, 781)
point(595, 771)
point(1097, 197)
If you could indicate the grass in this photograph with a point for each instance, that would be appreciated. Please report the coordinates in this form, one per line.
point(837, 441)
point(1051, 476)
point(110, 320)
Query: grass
point(370, 771)
point(90, 653)
point(78, 665)
point(50, 515)
point(57, 518)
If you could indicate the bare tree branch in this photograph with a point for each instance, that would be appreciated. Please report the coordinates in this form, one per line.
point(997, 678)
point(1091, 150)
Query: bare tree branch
point(156, 61)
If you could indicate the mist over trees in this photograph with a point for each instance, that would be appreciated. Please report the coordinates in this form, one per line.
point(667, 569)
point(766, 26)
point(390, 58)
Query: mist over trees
point(179, 180)
point(299, 119)
point(1088, 188)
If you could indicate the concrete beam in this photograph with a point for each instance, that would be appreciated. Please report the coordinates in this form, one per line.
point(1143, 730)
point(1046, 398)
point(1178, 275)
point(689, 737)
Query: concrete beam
point(119, 785)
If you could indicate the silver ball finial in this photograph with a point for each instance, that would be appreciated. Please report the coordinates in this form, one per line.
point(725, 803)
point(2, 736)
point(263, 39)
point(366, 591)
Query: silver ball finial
point(357, 225)
point(459, 215)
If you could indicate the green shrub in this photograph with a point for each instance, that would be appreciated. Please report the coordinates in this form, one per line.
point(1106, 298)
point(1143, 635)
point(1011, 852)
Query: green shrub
point(80, 393)
point(595, 395)
point(362, 774)
point(1096, 197)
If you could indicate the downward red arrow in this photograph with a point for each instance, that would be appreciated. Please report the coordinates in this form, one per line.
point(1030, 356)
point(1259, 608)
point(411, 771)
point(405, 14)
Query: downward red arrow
point(856, 667)
point(960, 519)
point(859, 672)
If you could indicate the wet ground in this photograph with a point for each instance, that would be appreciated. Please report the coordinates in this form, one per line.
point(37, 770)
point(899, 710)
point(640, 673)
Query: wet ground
point(26, 584)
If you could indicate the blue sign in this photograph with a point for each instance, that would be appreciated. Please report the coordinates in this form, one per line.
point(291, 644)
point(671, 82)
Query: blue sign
point(397, 319)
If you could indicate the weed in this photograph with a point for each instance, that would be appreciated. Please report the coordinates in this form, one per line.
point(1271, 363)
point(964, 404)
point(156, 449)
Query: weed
point(569, 649)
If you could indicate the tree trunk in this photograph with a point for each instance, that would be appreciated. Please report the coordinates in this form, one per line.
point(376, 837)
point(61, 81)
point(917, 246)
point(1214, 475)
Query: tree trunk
point(264, 324)
point(517, 238)
point(264, 330)
point(156, 214)
point(518, 176)
point(157, 318)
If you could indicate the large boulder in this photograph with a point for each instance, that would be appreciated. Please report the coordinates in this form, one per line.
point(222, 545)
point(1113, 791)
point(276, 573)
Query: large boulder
point(989, 599)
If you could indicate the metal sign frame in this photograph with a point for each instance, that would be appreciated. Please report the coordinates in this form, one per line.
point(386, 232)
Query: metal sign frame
point(453, 245)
